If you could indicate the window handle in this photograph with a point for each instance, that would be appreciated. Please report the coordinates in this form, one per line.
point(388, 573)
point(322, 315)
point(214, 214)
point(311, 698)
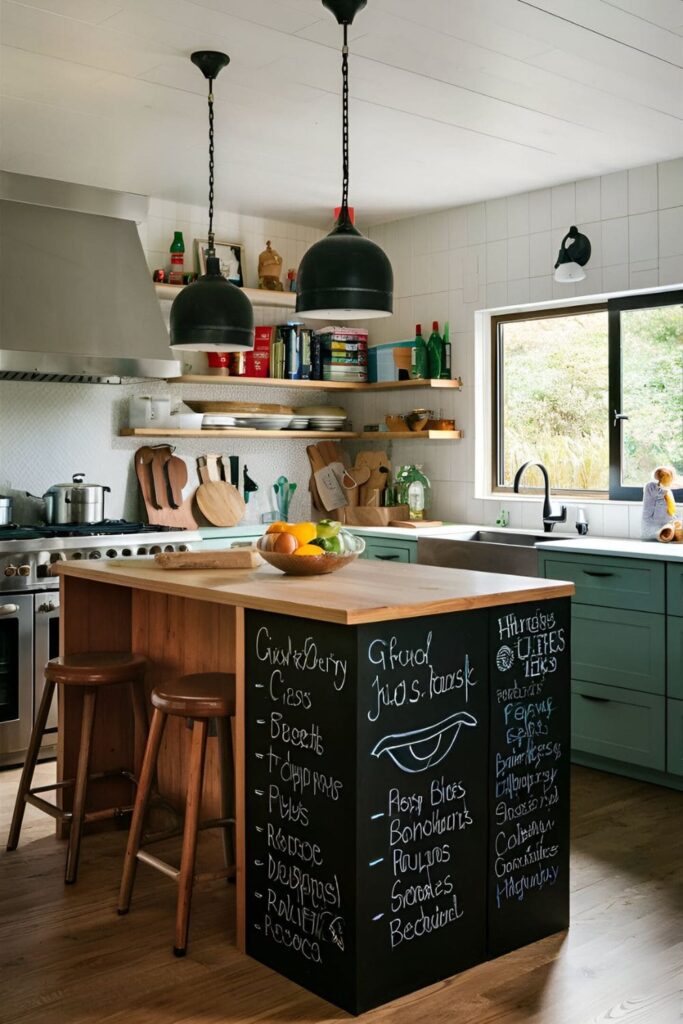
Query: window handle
point(619, 416)
point(589, 572)
point(598, 700)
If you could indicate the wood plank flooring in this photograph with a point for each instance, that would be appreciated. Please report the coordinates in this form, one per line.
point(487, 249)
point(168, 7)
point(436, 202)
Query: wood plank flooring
point(66, 958)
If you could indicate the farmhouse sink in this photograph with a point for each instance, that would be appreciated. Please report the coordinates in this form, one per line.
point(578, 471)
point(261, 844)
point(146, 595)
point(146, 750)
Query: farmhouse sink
point(485, 551)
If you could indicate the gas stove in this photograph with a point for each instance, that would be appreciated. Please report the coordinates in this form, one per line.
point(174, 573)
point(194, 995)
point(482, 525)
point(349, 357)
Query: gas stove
point(27, 552)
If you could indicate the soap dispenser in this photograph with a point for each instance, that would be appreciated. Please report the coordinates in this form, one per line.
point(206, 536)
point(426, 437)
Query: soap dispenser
point(581, 522)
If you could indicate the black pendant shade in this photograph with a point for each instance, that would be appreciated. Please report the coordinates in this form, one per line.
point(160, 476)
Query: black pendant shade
point(211, 315)
point(345, 276)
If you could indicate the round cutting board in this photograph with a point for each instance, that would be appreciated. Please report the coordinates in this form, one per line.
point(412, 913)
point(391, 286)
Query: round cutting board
point(220, 503)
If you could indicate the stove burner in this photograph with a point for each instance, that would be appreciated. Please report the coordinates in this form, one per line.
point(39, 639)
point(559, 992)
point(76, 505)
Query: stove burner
point(14, 532)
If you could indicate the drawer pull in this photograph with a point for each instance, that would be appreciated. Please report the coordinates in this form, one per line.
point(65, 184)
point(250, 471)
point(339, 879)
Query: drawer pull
point(386, 558)
point(589, 572)
point(598, 700)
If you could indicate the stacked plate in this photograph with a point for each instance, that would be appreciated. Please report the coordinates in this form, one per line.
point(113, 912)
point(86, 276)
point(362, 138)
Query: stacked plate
point(242, 420)
point(327, 422)
point(322, 417)
point(299, 423)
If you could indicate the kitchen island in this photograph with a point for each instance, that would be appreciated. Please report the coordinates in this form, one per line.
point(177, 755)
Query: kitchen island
point(402, 755)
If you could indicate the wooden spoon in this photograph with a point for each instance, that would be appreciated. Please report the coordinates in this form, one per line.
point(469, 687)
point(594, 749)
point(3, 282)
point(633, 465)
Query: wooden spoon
point(143, 469)
point(177, 478)
point(160, 456)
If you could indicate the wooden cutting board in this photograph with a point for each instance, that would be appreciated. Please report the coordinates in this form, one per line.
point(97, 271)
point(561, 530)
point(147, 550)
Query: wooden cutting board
point(235, 558)
point(220, 503)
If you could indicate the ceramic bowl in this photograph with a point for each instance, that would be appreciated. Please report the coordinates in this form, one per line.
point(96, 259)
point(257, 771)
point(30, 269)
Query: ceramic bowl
point(312, 565)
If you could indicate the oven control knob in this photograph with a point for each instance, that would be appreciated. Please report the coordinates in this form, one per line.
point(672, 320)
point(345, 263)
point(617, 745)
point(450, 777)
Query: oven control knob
point(47, 606)
point(24, 570)
point(58, 556)
point(10, 570)
point(95, 554)
point(43, 570)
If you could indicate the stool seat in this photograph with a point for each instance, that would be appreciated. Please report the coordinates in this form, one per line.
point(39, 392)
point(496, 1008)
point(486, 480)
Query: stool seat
point(96, 669)
point(205, 695)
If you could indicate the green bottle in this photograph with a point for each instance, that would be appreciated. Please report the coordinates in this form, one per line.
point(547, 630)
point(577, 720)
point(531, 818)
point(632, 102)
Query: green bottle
point(419, 363)
point(177, 251)
point(446, 360)
point(435, 351)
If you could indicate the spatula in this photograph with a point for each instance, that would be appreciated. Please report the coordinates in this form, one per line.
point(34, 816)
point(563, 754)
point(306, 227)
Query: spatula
point(160, 457)
point(143, 469)
point(176, 471)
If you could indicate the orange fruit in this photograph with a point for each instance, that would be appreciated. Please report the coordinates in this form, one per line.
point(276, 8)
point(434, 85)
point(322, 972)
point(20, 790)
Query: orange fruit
point(309, 549)
point(278, 527)
point(304, 532)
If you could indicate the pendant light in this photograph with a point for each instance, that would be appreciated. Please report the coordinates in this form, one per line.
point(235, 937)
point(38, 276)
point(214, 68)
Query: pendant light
point(574, 254)
point(211, 315)
point(345, 276)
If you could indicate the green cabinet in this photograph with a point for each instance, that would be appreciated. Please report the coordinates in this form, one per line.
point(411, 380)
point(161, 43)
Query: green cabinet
point(630, 583)
point(674, 589)
point(618, 648)
point(619, 724)
point(674, 749)
point(389, 550)
point(674, 656)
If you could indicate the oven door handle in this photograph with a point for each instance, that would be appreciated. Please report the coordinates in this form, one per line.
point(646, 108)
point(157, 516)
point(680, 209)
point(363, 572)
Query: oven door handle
point(9, 609)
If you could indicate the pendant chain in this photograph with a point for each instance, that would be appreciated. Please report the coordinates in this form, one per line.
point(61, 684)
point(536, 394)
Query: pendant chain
point(345, 120)
point(211, 246)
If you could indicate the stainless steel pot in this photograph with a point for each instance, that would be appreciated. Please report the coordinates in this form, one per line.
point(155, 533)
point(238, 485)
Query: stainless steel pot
point(76, 502)
point(6, 506)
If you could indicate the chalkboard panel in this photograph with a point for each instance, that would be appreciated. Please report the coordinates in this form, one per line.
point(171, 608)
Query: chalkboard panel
point(300, 799)
point(529, 773)
point(422, 801)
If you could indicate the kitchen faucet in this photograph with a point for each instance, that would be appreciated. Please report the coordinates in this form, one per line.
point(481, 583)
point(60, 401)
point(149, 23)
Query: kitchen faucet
point(550, 513)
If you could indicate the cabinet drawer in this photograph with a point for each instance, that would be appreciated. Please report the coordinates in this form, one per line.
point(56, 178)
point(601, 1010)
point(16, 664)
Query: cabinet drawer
point(631, 583)
point(674, 745)
point(388, 551)
point(674, 656)
point(619, 724)
point(674, 596)
point(618, 648)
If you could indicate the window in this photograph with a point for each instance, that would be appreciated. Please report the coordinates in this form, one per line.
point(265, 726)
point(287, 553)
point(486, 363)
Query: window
point(595, 393)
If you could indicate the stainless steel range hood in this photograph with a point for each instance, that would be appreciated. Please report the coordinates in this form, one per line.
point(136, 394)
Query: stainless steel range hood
point(77, 301)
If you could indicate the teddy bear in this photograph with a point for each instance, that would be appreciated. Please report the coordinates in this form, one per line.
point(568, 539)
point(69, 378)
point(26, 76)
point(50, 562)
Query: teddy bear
point(660, 521)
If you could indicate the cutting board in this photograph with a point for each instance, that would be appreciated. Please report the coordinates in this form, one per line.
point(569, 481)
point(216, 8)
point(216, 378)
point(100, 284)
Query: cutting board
point(180, 518)
point(220, 503)
point(235, 558)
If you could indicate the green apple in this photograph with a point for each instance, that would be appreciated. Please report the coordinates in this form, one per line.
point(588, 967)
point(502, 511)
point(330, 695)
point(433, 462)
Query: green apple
point(328, 528)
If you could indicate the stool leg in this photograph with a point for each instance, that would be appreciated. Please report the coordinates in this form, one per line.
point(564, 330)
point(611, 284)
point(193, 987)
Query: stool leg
point(141, 725)
point(29, 765)
point(192, 807)
point(227, 782)
point(81, 786)
point(144, 791)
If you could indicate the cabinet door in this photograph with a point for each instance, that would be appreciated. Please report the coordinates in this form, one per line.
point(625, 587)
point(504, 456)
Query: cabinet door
point(620, 724)
point(630, 583)
point(674, 651)
point(618, 648)
point(674, 755)
point(674, 595)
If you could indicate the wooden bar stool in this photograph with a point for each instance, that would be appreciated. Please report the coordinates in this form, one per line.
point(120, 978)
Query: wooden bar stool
point(88, 671)
point(198, 698)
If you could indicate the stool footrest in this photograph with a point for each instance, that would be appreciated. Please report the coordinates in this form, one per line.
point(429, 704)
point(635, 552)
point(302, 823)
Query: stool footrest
point(174, 873)
point(47, 808)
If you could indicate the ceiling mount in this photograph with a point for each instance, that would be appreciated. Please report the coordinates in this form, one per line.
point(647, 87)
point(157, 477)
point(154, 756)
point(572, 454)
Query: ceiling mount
point(210, 62)
point(345, 10)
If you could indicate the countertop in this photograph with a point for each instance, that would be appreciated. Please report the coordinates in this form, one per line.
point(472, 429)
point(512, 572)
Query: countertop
point(366, 591)
point(624, 548)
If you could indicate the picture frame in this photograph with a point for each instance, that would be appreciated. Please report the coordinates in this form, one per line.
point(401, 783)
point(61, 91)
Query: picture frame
point(231, 256)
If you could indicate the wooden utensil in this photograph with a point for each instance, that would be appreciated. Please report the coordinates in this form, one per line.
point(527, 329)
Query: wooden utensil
point(317, 462)
point(160, 457)
point(212, 467)
point(176, 471)
point(143, 470)
point(352, 482)
point(234, 558)
point(181, 518)
point(220, 503)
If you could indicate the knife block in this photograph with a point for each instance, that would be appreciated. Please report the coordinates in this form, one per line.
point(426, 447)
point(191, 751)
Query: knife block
point(367, 515)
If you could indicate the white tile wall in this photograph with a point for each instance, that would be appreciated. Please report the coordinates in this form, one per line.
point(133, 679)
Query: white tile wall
point(48, 432)
point(502, 252)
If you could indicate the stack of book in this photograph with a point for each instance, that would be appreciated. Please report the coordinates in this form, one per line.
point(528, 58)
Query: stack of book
point(340, 354)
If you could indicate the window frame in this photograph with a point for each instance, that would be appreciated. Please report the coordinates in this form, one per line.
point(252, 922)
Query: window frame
point(497, 382)
point(651, 300)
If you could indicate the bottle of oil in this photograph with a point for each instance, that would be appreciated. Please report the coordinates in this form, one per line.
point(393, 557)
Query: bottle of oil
point(435, 352)
point(419, 363)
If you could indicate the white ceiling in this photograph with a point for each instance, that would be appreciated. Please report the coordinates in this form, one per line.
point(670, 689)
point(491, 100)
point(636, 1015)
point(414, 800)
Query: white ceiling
point(452, 100)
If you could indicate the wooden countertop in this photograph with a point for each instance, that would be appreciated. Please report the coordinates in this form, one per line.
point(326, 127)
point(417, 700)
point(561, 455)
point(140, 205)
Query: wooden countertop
point(366, 591)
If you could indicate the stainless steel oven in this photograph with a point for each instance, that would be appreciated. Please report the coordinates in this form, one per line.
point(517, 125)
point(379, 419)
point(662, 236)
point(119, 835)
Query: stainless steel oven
point(16, 676)
point(45, 646)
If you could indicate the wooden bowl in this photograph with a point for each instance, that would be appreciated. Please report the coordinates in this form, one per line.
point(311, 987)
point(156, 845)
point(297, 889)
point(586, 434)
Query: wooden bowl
point(311, 565)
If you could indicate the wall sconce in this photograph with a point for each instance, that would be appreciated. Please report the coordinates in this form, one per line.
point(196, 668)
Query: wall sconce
point(574, 254)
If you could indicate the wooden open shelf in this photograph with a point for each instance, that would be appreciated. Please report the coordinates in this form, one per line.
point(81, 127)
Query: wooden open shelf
point(257, 296)
point(316, 385)
point(293, 435)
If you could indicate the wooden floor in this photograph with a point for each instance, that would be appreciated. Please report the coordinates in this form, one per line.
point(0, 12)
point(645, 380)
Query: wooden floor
point(66, 958)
